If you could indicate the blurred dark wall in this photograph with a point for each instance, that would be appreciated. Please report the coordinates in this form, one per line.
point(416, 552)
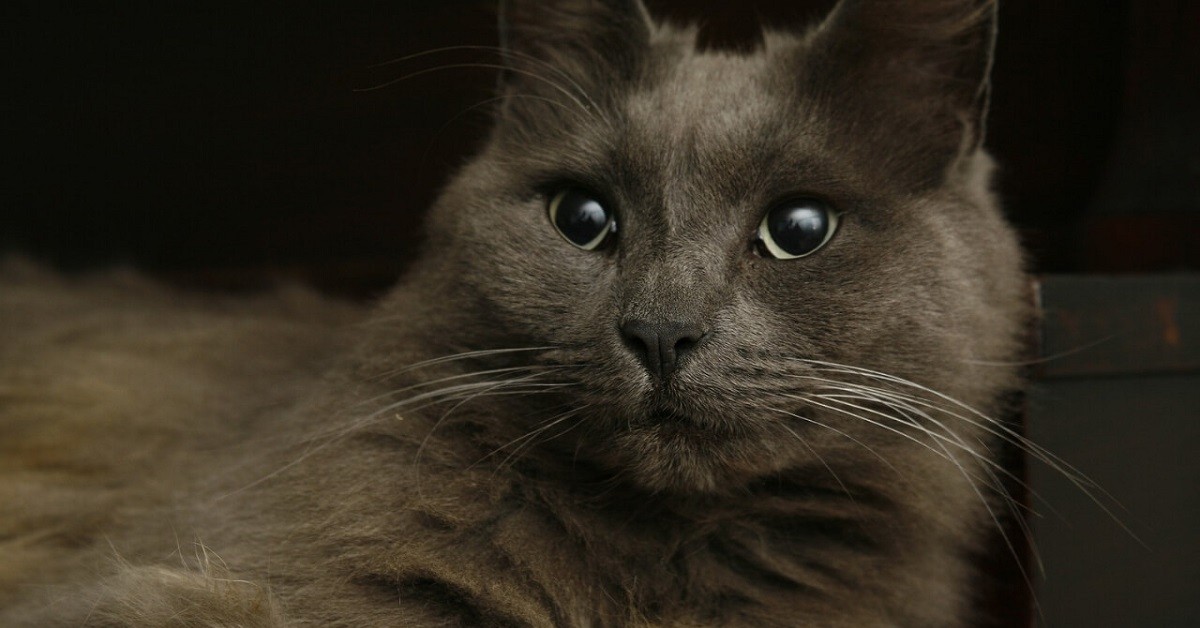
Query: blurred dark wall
point(224, 143)
point(220, 141)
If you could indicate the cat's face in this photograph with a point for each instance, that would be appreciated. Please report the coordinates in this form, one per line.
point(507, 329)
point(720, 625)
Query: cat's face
point(704, 234)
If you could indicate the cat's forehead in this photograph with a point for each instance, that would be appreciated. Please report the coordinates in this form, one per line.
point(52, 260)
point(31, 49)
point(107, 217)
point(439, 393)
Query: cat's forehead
point(704, 96)
point(720, 124)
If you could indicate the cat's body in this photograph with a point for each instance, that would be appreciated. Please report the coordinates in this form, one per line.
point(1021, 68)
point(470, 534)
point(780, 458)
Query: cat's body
point(491, 445)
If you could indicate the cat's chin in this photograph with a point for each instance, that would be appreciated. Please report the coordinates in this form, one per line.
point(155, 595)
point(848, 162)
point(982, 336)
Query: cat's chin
point(683, 456)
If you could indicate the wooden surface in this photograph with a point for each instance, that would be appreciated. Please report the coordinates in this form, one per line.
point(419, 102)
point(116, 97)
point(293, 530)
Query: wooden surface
point(1103, 326)
point(1118, 398)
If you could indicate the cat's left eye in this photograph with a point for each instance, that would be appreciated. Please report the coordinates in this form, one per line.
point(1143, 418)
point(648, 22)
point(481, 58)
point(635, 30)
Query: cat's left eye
point(580, 218)
point(795, 229)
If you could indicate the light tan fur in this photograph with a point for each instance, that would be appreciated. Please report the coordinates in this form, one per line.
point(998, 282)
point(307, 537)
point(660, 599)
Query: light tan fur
point(114, 392)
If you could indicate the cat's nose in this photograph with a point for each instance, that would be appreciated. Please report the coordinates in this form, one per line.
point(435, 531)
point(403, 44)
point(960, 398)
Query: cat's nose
point(661, 345)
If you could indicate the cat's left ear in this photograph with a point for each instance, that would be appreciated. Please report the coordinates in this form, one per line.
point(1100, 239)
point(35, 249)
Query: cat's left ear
point(921, 67)
point(590, 42)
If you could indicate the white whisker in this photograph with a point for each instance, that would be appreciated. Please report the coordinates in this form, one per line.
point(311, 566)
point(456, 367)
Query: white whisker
point(825, 464)
point(454, 357)
point(840, 432)
point(1085, 484)
point(504, 54)
point(490, 66)
point(451, 378)
point(320, 441)
point(530, 436)
point(993, 481)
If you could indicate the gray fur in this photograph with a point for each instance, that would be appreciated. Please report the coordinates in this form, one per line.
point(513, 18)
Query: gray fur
point(168, 459)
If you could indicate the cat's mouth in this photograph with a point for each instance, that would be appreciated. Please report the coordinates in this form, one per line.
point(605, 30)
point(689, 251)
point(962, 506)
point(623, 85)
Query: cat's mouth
point(670, 448)
point(671, 424)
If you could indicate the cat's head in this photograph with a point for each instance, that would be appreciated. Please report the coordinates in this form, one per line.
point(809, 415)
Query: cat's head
point(716, 241)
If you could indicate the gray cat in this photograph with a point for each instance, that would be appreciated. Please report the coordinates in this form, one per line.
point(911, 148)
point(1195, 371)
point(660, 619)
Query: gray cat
point(698, 339)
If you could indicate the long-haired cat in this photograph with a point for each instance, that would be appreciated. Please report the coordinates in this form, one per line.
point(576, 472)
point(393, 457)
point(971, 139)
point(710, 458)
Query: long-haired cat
point(699, 338)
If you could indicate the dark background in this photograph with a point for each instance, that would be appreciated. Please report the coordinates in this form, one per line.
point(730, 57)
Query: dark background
point(224, 144)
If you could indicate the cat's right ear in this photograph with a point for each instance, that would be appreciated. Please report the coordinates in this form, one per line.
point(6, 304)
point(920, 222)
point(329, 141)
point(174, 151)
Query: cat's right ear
point(554, 46)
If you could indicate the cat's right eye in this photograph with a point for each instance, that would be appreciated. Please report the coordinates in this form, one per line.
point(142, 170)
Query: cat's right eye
point(581, 219)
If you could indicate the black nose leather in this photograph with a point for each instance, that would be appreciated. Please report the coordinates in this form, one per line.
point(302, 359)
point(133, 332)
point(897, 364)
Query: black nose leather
point(660, 345)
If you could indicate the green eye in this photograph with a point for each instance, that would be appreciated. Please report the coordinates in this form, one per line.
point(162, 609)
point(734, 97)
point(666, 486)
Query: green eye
point(795, 229)
point(580, 218)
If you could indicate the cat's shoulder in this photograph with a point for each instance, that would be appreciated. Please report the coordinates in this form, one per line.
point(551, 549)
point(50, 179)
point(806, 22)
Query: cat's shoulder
point(119, 339)
point(113, 385)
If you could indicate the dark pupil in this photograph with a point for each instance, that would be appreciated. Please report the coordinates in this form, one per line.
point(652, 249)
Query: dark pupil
point(580, 218)
point(798, 229)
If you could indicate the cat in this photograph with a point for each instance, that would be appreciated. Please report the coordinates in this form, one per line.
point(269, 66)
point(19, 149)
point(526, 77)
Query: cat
point(698, 338)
